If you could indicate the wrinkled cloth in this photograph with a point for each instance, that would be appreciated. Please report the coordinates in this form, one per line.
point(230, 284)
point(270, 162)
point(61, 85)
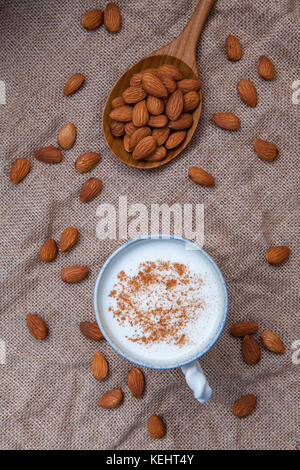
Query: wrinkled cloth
point(48, 396)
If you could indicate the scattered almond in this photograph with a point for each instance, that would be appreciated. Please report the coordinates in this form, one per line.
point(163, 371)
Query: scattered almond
point(244, 406)
point(200, 176)
point(92, 19)
point(140, 115)
point(19, 169)
point(243, 328)
point(272, 342)
point(233, 48)
point(265, 150)
point(277, 254)
point(144, 148)
point(122, 113)
point(153, 85)
point(191, 100)
point(74, 274)
point(48, 251)
point(227, 121)
point(189, 84)
point(161, 135)
point(48, 154)
point(74, 83)
point(87, 161)
point(175, 139)
point(112, 18)
point(68, 239)
point(156, 427)
point(265, 68)
point(111, 399)
point(155, 105)
point(90, 189)
point(183, 122)
point(250, 350)
point(174, 105)
point(117, 128)
point(247, 92)
point(36, 326)
point(136, 382)
point(90, 329)
point(67, 136)
point(158, 121)
point(99, 366)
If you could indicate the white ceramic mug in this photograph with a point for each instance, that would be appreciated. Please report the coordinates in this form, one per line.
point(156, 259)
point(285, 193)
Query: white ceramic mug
point(175, 249)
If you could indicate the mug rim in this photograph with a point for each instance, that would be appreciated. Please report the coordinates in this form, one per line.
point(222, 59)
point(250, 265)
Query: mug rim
point(111, 342)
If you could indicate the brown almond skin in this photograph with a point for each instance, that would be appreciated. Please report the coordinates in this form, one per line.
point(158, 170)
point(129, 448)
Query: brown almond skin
point(189, 84)
point(48, 251)
point(156, 427)
point(171, 70)
point(87, 161)
point(168, 81)
point(67, 136)
point(183, 122)
point(122, 113)
point(90, 189)
point(99, 366)
point(272, 342)
point(140, 114)
point(19, 169)
point(161, 135)
point(191, 100)
point(68, 239)
point(243, 328)
point(74, 83)
point(136, 382)
point(90, 329)
point(111, 399)
point(174, 105)
point(130, 128)
point(158, 121)
point(250, 350)
point(112, 18)
point(36, 326)
point(233, 48)
point(227, 121)
point(159, 155)
point(200, 176)
point(247, 92)
point(265, 68)
point(48, 154)
point(92, 19)
point(153, 85)
point(244, 406)
point(137, 136)
point(144, 148)
point(175, 139)
point(277, 254)
point(155, 105)
point(74, 274)
point(265, 150)
point(117, 128)
point(134, 94)
point(126, 143)
point(116, 102)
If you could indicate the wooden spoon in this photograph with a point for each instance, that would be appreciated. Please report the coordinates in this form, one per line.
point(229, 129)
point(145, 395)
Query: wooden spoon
point(180, 52)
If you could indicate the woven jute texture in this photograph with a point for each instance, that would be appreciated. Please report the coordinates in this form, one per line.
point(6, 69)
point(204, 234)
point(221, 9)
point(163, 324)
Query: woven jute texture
point(48, 396)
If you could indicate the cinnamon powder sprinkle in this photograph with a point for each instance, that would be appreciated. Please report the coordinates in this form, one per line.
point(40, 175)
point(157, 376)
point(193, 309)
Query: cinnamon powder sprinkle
point(158, 302)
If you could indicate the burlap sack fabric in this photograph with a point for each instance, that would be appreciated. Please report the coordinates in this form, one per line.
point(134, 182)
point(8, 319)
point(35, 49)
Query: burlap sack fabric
point(48, 397)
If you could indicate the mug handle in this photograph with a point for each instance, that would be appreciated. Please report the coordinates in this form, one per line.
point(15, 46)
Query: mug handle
point(196, 380)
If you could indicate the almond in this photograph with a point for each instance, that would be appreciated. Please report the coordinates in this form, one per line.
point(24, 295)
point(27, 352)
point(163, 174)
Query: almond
point(90, 329)
point(36, 326)
point(126, 139)
point(112, 18)
point(227, 121)
point(136, 79)
point(158, 121)
point(130, 128)
point(48, 251)
point(136, 382)
point(19, 169)
point(90, 189)
point(161, 135)
point(250, 350)
point(144, 148)
point(233, 48)
point(184, 122)
point(67, 136)
point(92, 19)
point(277, 254)
point(174, 105)
point(99, 366)
point(140, 115)
point(272, 342)
point(68, 239)
point(111, 399)
point(247, 92)
point(74, 83)
point(87, 161)
point(243, 328)
point(244, 406)
point(137, 136)
point(116, 102)
point(265, 150)
point(265, 68)
point(168, 81)
point(159, 154)
point(122, 113)
point(155, 105)
point(191, 100)
point(171, 70)
point(153, 85)
point(117, 128)
point(200, 176)
point(48, 154)
point(134, 94)
point(175, 139)
point(189, 84)
point(156, 427)
point(74, 274)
